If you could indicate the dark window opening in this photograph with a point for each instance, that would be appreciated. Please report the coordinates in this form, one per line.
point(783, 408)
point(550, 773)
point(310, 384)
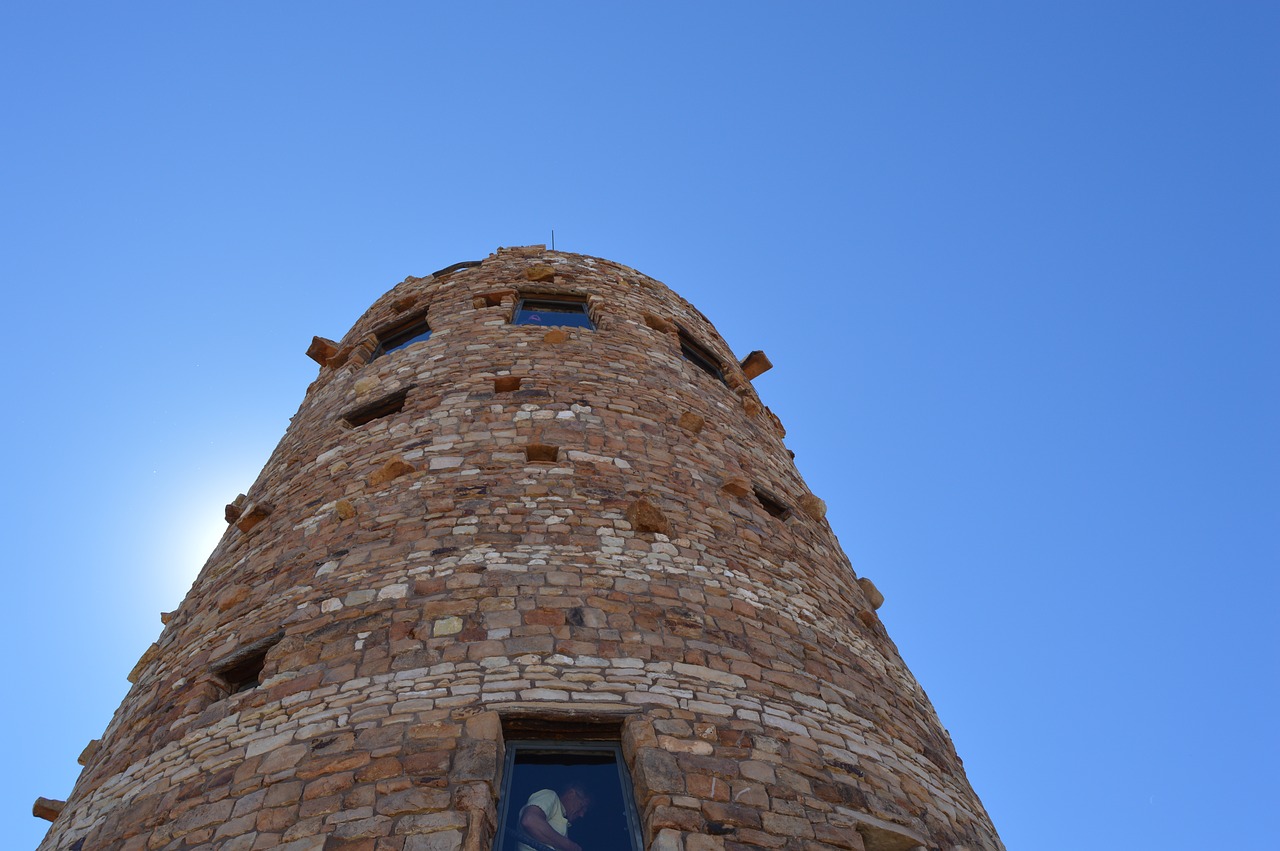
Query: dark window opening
point(576, 789)
point(506, 384)
point(243, 670)
point(552, 311)
point(772, 504)
point(541, 452)
point(245, 675)
point(699, 356)
point(384, 407)
point(406, 333)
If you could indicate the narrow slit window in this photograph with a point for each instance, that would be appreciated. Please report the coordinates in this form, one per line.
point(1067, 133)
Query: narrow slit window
point(699, 356)
point(579, 790)
point(243, 670)
point(406, 333)
point(552, 311)
point(506, 383)
point(384, 407)
point(246, 674)
point(541, 452)
point(770, 503)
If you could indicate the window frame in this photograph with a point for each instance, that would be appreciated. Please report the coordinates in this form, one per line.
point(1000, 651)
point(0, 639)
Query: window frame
point(394, 337)
point(700, 356)
point(513, 747)
point(552, 299)
point(772, 504)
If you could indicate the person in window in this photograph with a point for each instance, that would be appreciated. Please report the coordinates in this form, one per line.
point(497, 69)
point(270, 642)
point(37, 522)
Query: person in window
point(547, 817)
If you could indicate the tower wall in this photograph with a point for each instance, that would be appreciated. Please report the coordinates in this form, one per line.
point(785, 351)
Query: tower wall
point(583, 551)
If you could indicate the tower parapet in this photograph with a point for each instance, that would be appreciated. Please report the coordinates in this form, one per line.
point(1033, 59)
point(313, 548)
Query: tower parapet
point(532, 526)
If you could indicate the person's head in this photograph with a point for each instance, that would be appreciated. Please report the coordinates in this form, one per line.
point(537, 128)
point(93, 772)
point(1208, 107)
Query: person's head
point(576, 801)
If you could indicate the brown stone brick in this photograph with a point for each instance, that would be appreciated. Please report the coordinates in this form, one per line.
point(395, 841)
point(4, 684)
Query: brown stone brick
point(276, 818)
point(392, 469)
point(283, 793)
point(379, 769)
point(746, 839)
point(47, 808)
point(839, 837)
point(646, 516)
point(707, 787)
point(733, 813)
point(677, 818)
point(784, 825)
point(337, 843)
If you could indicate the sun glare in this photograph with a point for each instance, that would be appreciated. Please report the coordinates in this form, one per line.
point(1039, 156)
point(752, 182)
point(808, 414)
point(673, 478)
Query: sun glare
point(194, 524)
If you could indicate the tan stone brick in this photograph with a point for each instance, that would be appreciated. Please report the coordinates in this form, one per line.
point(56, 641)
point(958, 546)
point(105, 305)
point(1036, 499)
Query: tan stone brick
point(874, 597)
point(434, 822)
point(392, 469)
point(645, 516)
point(702, 842)
point(445, 840)
point(47, 808)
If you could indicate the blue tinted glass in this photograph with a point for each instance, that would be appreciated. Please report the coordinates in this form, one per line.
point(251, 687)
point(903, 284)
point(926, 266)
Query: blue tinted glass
point(399, 341)
point(553, 313)
point(540, 778)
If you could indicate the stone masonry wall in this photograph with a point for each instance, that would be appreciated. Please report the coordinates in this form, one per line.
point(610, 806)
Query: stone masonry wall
point(557, 523)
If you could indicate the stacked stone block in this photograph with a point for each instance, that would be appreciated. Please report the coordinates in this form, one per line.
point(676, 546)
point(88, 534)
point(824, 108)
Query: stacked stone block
point(559, 526)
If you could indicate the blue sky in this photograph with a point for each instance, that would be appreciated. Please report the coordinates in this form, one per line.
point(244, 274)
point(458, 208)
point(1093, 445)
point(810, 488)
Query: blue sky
point(1016, 265)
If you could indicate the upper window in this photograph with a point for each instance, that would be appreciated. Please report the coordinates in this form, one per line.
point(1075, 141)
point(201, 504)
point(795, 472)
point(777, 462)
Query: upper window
point(699, 356)
point(245, 674)
point(772, 504)
point(552, 311)
point(557, 796)
point(243, 670)
point(383, 407)
point(406, 333)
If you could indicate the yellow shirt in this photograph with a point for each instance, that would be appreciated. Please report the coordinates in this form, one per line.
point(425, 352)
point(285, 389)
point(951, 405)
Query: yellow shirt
point(549, 802)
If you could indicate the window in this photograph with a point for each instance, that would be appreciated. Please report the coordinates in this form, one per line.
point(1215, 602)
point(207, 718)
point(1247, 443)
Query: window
point(552, 311)
point(406, 333)
point(576, 789)
point(699, 356)
point(506, 383)
point(384, 407)
point(243, 669)
point(541, 452)
point(245, 675)
point(773, 505)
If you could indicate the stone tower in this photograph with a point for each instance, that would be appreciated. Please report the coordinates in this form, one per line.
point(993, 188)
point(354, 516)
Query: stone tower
point(530, 533)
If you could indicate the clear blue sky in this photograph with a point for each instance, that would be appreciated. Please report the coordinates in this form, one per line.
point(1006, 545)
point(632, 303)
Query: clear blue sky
point(1016, 264)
